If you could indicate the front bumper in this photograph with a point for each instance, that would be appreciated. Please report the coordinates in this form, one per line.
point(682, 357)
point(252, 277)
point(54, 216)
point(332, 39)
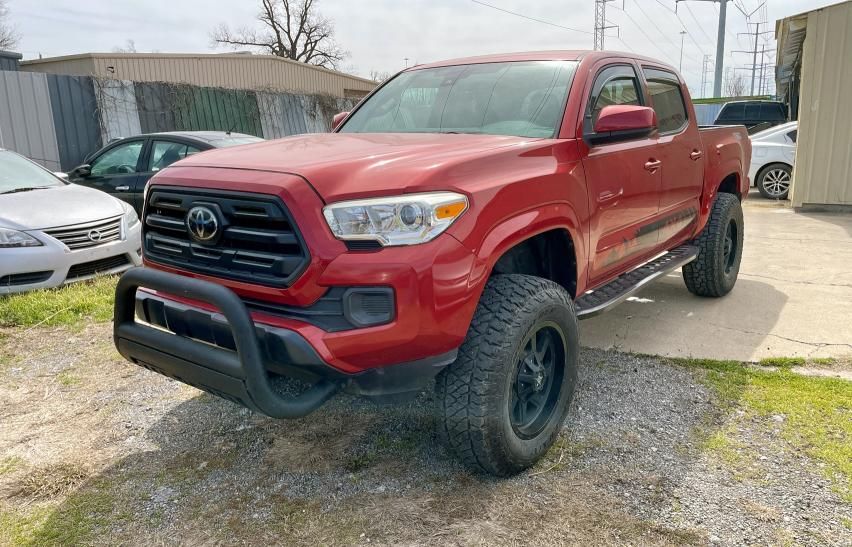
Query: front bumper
point(227, 354)
point(59, 265)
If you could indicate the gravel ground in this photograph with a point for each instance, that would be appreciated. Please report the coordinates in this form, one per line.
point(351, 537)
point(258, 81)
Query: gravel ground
point(177, 466)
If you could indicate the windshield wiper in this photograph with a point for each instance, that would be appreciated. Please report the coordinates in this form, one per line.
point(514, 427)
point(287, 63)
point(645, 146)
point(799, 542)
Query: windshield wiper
point(25, 189)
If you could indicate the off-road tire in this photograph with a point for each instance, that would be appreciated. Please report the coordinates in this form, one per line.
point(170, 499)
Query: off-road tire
point(712, 274)
point(474, 393)
point(763, 180)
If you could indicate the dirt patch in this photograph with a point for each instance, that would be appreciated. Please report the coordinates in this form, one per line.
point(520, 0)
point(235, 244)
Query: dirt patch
point(114, 453)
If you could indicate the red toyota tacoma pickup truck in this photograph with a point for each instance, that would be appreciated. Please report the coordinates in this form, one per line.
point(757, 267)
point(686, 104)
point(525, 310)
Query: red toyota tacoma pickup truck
point(450, 231)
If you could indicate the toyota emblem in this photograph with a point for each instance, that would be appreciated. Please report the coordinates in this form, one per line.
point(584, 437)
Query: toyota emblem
point(202, 223)
point(94, 236)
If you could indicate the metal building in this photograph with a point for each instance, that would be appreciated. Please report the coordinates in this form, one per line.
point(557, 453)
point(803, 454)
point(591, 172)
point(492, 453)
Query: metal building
point(232, 71)
point(814, 76)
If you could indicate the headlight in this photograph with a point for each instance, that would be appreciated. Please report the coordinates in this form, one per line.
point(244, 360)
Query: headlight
point(12, 238)
point(398, 220)
point(131, 219)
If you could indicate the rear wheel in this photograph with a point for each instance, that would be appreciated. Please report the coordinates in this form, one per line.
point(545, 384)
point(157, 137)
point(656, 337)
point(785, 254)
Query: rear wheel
point(720, 244)
point(773, 182)
point(503, 401)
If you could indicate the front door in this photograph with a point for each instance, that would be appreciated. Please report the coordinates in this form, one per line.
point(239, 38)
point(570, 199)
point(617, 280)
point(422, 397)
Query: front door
point(623, 180)
point(116, 171)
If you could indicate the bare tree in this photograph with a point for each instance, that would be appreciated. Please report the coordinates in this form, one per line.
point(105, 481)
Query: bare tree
point(8, 35)
point(129, 47)
point(379, 76)
point(289, 28)
point(735, 85)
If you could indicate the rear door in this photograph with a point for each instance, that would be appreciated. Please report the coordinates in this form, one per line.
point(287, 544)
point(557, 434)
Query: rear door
point(680, 151)
point(116, 170)
point(623, 184)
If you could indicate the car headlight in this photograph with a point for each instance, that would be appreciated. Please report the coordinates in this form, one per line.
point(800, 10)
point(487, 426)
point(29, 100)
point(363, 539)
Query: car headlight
point(131, 219)
point(13, 238)
point(407, 219)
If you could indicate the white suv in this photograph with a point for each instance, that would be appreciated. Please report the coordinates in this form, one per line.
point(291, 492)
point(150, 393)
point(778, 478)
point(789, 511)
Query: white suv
point(54, 232)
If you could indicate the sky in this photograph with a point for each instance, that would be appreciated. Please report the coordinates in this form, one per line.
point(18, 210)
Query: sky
point(385, 35)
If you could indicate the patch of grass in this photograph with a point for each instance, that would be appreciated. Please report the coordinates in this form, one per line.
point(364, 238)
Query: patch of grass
point(782, 362)
point(76, 520)
point(67, 378)
point(815, 412)
point(66, 305)
point(47, 482)
point(20, 528)
point(846, 522)
point(824, 361)
point(9, 464)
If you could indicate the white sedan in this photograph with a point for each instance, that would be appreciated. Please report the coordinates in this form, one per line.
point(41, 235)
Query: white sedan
point(53, 232)
point(773, 152)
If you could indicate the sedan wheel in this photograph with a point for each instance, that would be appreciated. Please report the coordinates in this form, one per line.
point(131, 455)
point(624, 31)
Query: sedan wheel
point(774, 181)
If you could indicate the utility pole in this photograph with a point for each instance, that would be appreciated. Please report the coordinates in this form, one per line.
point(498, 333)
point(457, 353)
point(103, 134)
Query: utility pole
point(754, 51)
point(600, 23)
point(706, 66)
point(720, 42)
point(680, 66)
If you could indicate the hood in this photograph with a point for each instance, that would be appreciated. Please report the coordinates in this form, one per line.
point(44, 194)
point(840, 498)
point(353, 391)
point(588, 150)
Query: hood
point(344, 165)
point(59, 206)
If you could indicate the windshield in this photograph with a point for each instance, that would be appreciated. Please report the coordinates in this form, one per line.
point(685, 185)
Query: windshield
point(18, 173)
point(525, 99)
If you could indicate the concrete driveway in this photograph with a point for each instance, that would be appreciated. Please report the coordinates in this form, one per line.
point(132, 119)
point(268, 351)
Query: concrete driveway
point(793, 297)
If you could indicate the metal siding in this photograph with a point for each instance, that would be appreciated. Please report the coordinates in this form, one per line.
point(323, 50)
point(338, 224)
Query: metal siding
point(281, 114)
point(259, 72)
point(824, 155)
point(117, 107)
point(151, 102)
point(219, 110)
point(75, 117)
point(26, 123)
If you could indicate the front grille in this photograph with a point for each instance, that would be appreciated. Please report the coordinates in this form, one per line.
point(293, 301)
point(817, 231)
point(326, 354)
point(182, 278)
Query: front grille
point(24, 278)
point(90, 234)
point(97, 266)
point(257, 240)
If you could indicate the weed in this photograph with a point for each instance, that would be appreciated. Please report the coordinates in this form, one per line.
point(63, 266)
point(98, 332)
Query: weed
point(67, 379)
point(9, 464)
point(782, 362)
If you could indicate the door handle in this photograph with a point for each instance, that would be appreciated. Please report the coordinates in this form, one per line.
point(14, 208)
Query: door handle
point(695, 154)
point(653, 165)
point(122, 188)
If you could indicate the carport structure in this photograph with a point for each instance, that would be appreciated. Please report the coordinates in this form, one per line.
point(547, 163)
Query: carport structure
point(814, 76)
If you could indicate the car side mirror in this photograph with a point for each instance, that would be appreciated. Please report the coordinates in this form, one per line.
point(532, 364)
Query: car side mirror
point(82, 170)
point(338, 119)
point(623, 122)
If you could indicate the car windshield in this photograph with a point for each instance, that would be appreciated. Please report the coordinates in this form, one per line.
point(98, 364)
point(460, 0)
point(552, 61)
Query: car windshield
point(525, 99)
point(18, 174)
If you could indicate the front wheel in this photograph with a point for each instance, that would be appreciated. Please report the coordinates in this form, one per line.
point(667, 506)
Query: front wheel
point(503, 401)
point(720, 248)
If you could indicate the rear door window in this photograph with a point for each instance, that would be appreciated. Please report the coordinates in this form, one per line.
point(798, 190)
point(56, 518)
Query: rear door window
point(792, 135)
point(165, 153)
point(667, 100)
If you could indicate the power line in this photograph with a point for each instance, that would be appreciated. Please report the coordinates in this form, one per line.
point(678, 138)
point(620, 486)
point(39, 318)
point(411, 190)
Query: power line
point(650, 40)
point(542, 21)
point(697, 23)
point(661, 31)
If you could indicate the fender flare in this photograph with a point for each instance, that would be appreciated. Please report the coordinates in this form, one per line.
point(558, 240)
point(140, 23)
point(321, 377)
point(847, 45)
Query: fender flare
point(520, 227)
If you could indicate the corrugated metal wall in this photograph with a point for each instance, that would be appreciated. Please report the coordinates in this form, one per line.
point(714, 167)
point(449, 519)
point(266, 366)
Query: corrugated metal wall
point(75, 118)
point(26, 122)
point(117, 106)
point(9, 60)
point(215, 109)
point(281, 114)
point(823, 171)
point(230, 71)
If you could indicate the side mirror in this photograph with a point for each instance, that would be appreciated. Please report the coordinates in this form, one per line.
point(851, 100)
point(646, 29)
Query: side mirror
point(624, 122)
point(60, 174)
point(82, 170)
point(338, 118)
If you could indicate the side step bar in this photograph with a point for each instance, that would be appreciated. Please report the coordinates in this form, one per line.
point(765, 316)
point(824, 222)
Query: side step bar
point(603, 298)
